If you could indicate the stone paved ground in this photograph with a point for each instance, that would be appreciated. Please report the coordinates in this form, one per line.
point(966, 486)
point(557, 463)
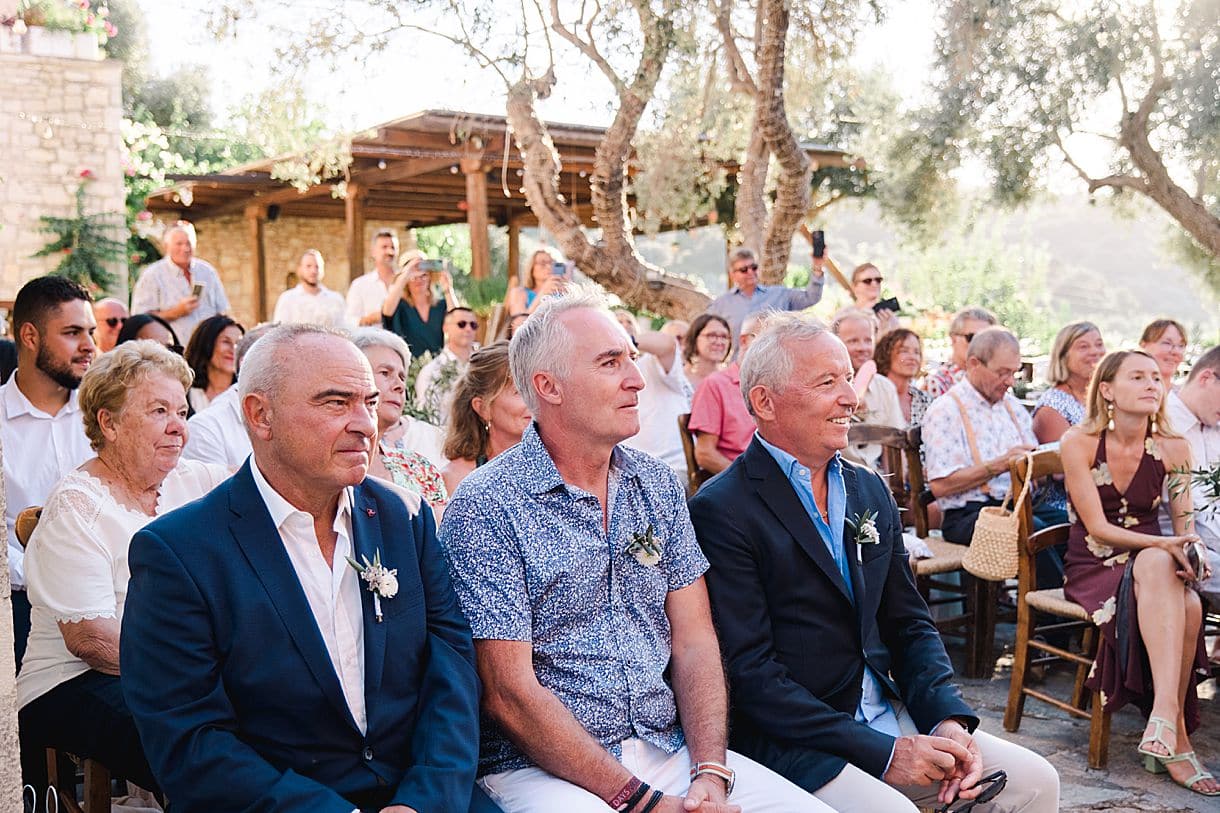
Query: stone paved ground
point(1124, 787)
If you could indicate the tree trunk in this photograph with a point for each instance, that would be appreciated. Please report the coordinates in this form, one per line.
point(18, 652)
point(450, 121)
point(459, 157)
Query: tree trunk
point(751, 201)
point(613, 262)
point(771, 118)
point(1189, 212)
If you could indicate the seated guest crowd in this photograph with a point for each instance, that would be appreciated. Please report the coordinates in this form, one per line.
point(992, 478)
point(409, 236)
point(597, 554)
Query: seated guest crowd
point(302, 599)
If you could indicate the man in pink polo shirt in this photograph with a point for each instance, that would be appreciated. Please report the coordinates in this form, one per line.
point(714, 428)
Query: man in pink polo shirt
point(718, 415)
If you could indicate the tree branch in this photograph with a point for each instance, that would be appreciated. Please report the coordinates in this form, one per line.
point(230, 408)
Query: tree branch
point(588, 49)
point(739, 73)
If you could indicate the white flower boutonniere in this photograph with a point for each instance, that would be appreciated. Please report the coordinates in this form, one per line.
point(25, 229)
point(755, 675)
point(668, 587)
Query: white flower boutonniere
point(646, 548)
point(865, 526)
point(381, 581)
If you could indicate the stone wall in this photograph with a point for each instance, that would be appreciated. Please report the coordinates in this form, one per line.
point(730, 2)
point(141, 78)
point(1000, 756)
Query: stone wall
point(225, 242)
point(57, 117)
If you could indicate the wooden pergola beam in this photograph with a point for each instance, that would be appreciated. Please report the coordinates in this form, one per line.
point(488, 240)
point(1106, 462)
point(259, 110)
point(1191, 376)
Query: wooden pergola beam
point(353, 232)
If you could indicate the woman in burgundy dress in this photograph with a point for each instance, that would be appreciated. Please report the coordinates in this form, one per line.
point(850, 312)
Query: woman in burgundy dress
point(1125, 573)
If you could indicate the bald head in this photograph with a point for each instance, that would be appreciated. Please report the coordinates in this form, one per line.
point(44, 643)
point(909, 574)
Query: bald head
point(110, 315)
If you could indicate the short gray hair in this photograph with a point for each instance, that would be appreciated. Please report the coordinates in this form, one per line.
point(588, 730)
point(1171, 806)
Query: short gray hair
point(183, 226)
point(247, 341)
point(986, 342)
point(740, 253)
point(971, 314)
point(367, 337)
point(377, 235)
point(262, 371)
point(537, 343)
point(849, 313)
point(768, 361)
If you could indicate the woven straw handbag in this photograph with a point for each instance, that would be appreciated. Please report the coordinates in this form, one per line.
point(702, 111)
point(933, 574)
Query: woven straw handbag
point(993, 551)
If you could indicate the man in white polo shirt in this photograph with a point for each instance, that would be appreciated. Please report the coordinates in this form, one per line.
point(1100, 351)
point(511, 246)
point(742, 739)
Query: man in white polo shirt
point(367, 292)
point(180, 288)
point(41, 429)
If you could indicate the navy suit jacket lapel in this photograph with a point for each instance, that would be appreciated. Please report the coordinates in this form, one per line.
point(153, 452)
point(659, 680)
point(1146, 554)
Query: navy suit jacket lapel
point(851, 549)
point(776, 492)
point(366, 543)
point(260, 542)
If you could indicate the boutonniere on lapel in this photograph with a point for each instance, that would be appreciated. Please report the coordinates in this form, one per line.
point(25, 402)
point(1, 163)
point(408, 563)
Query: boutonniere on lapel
point(645, 547)
point(380, 581)
point(865, 526)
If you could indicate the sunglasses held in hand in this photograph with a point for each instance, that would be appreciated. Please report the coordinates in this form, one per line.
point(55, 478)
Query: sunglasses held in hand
point(995, 783)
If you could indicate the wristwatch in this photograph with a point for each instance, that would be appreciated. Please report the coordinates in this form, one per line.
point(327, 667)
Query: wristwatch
point(718, 770)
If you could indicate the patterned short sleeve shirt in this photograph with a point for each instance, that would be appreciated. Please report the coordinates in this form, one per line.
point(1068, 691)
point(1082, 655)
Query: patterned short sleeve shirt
point(531, 562)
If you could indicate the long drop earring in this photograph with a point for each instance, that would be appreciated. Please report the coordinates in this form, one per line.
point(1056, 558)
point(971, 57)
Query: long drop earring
point(1110, 415)
point(1154, 424)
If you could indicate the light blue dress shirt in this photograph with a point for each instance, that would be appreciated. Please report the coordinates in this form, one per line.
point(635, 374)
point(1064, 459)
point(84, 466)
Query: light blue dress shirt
point(874, 710)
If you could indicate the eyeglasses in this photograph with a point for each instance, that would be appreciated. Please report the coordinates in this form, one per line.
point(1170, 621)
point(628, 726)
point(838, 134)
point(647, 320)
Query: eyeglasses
point(996, 781)
point(741, 269)
point(871, 280)
point(115, 321)
point(969, 337)
point(462, 324)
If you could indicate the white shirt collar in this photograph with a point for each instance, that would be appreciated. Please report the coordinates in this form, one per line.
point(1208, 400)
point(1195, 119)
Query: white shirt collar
point(281, 510)
point(1181, 417)
point(16, 404)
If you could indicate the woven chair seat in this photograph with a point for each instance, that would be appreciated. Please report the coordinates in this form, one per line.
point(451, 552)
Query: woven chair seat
point(1052, 601)
point(946, 557)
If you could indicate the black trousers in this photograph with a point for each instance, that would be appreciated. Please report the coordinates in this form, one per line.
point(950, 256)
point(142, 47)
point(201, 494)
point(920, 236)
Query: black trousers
point(21, 624)
point(88, 717)
point(957, 526)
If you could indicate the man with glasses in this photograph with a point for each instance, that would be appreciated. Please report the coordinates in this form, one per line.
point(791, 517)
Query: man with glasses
point(973, 433)
point(747, 296)
point(110, 315)
point(438, 379)
point(965, 325)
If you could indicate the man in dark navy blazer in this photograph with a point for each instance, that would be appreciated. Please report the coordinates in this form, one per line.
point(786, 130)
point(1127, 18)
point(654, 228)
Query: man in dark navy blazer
point(263, 672)
point(838, 677)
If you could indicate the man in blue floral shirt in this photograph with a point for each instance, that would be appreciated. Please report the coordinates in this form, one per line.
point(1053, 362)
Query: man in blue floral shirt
point(577, 566)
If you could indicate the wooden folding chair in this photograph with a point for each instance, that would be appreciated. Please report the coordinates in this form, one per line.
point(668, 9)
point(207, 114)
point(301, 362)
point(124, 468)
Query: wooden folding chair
point(62, 766)
point(1030, 602)
point(696, 475)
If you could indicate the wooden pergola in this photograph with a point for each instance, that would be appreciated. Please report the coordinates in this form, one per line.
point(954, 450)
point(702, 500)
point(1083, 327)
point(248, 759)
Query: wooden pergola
point(435, 167)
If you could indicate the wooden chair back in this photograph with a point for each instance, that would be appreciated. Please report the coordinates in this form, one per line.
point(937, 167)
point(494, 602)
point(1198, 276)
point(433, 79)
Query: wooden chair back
point(896, 461)
point(1043, 463)
point(696, 475)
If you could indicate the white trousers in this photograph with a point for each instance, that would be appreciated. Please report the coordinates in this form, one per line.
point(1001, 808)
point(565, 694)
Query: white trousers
point(1033, 783)
point(758, 790)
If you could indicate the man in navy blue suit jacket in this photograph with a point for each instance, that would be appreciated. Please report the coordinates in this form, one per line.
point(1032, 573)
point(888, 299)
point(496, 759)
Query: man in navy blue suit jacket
point(838, 677)
point(262, 671)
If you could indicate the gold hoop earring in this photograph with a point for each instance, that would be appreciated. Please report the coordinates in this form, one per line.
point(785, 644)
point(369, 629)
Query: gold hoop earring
point(1110, 415)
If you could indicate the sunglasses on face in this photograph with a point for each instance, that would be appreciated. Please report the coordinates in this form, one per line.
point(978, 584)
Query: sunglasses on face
point(115, 321)
point(741, 269)
point(969, 337)
point(871, 280)
point(995, 783)
point(462, 324)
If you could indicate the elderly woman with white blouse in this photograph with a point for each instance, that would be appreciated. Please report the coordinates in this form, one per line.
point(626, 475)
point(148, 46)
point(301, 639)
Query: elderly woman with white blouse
point(133, 401)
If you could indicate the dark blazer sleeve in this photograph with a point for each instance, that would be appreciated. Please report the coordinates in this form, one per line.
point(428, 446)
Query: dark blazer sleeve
point(445, 745)
point(765, 691)
point(919, 664)
point(171, 678)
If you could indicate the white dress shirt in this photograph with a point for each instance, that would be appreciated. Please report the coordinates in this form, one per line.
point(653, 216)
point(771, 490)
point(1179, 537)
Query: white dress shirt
point(428, 395)
point(218, 433)
point(326, 307)
point(162, 285)
point(1204, 453)
point(366, 294)
point(333, 592)
point(38, 450)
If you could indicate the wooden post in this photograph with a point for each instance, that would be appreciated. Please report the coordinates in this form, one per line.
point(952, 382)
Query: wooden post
point(514, 250)
point(476, 217)
point(353, 221)
point(256, 217)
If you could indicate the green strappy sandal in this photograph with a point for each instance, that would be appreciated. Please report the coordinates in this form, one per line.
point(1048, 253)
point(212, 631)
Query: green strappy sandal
point(1159, 726)
point(1199, 775)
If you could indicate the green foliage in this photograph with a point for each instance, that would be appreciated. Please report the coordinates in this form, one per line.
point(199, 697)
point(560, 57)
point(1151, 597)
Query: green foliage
point(452, 243)
point(86, 242)
point(1020, 86)
point(979, 269)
